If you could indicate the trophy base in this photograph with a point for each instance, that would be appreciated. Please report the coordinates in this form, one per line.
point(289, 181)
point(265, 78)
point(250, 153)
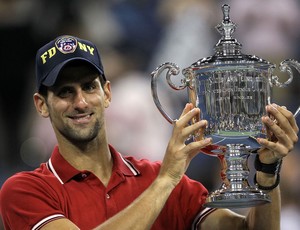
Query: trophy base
point(237, 199)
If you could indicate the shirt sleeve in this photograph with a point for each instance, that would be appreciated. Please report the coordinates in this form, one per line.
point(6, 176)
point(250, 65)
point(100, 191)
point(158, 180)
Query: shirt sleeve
point(192, 198)
point(28, 202)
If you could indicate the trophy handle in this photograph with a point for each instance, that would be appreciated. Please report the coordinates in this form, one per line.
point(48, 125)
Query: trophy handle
point(173, 69)
point(285, 66)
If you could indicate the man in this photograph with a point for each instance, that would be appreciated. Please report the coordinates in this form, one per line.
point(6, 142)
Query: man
point(87, 184)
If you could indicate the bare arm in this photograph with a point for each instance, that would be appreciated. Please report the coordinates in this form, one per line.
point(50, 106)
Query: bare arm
point(144, 210)
point(284, 132)
point(284, 135)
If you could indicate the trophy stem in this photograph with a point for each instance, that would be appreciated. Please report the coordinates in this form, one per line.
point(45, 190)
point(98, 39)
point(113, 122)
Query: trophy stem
point(235, 191)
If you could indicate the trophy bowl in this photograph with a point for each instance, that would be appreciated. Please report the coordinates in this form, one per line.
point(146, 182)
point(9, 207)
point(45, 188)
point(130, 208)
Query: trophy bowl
point(232, 90)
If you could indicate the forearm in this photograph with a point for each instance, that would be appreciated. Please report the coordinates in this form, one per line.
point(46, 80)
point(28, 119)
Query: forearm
point(266, 216)
point(142, 213)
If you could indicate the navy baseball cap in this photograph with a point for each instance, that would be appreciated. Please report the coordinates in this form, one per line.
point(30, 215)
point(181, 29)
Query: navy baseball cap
point(53, 56)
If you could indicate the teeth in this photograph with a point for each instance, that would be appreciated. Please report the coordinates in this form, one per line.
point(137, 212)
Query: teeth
point(82, 118)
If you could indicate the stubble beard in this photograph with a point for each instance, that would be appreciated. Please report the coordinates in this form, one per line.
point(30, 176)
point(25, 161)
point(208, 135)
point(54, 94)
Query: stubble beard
point(82, 136)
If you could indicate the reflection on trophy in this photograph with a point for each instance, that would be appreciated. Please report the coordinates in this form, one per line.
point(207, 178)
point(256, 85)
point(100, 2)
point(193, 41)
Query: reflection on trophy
point(232, 90)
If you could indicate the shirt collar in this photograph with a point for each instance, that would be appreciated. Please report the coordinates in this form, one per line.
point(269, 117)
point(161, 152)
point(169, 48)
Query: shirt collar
point(64, 171)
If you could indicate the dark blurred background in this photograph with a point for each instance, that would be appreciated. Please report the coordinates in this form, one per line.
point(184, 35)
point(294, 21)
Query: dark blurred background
point(134, 37)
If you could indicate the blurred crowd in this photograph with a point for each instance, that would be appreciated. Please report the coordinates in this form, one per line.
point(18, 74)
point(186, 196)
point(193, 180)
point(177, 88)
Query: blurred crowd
point(134, 37)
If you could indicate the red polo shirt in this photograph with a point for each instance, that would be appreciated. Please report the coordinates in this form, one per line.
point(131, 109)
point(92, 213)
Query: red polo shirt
point(55, 190)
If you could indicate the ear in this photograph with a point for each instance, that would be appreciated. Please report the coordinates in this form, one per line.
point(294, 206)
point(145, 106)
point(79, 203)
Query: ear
point(107, 94)
point(41, 105)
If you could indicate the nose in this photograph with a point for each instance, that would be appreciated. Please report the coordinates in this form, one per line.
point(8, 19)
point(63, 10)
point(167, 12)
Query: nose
point(80, 100)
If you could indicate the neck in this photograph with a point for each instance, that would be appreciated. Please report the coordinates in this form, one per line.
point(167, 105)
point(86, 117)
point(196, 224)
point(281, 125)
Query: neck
point(94, 157)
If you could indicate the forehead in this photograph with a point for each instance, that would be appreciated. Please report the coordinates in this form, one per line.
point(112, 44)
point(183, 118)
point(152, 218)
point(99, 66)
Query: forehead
point(77, 72)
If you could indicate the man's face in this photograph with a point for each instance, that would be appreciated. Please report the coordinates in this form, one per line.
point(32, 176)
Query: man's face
point(76, 104)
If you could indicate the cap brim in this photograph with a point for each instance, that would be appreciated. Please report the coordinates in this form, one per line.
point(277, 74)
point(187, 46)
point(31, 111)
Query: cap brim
point(53, 74)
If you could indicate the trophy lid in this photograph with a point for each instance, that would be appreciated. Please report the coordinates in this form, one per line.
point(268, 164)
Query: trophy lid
point(228, 50)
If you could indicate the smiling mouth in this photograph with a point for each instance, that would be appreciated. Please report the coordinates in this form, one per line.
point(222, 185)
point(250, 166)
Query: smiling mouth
point(81, 118)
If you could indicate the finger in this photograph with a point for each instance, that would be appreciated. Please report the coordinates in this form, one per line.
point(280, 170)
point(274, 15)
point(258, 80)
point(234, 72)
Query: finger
point(289, 116)
point(193, 148)
point(277, 150)
point(182, 130)
point(285, 120)
point(281, 136)
point(197, 127)
point(281, 114)
point(188, 107)
point(187, 116)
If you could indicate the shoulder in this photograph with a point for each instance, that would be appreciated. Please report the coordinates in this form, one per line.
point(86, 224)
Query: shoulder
point(31, 192)
point(40, 174)
point(144, 165)
point(132, 162)
point(186, 185)
point(189, 190)
point(28, 182)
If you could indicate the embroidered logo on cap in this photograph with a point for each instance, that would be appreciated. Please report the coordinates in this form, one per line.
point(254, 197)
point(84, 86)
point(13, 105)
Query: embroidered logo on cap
point(66, 44)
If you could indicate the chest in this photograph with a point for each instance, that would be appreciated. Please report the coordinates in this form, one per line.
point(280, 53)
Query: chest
point(87, 202)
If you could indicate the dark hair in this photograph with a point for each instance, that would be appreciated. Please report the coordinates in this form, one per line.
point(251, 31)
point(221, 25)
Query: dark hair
point(102, 80)
point(43, 91)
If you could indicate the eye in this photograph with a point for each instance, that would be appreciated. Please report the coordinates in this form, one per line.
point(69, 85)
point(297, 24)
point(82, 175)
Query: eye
point(89, 86)
point(65, 92)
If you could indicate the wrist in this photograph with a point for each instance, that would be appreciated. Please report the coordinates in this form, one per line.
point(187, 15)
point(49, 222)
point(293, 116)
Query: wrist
point(267, 176)
point(265, 179)
point(266, 182)
point(273, 168)
point(165, 182)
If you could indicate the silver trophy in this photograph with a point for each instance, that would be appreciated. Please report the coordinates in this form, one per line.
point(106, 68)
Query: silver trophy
point(232, 90)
